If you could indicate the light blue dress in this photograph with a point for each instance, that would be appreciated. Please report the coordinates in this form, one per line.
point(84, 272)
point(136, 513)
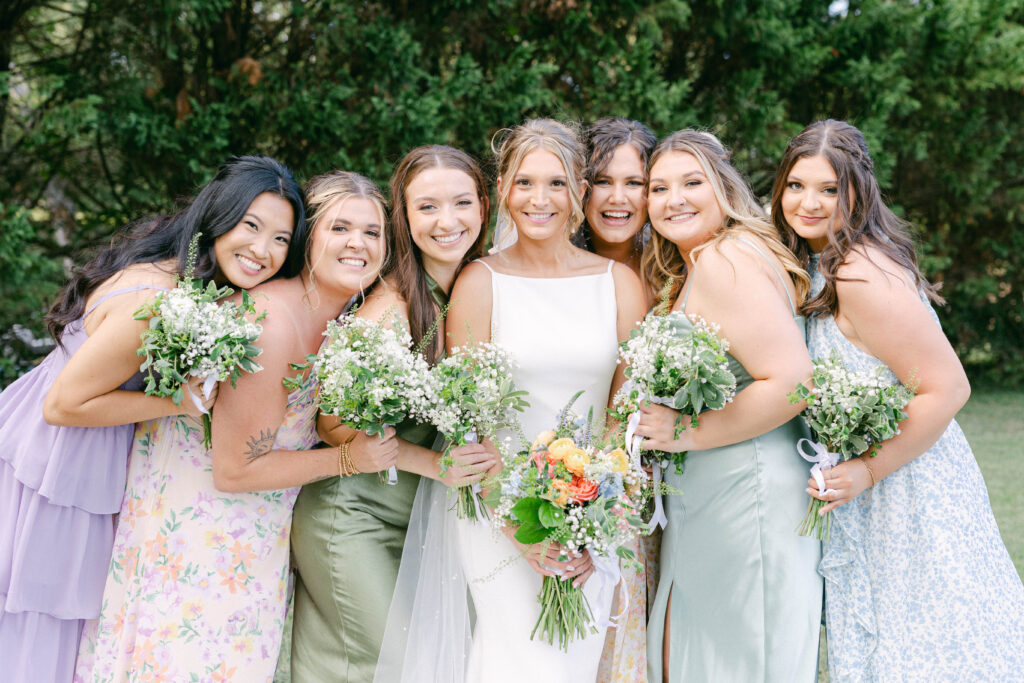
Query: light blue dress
point(918, 583)
point(746, 595)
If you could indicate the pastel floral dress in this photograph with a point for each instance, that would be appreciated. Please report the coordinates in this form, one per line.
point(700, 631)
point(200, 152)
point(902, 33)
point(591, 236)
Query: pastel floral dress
point(918, 584)
point(198, 584)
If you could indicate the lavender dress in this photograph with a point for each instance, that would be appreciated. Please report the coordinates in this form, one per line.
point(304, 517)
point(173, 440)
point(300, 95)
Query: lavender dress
point(59, 488)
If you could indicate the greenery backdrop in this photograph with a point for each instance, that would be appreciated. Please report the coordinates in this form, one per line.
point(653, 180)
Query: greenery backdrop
point(114, 108)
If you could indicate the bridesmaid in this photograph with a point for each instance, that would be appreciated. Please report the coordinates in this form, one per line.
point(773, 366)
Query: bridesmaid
point(615, 207)
point(615, 204)
point(197, 588)
point(62, 480)
point(739, 597)
point(919, 586)
point(348, 533)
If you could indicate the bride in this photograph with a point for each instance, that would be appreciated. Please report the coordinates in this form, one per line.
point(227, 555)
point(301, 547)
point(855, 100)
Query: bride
point(561, 312)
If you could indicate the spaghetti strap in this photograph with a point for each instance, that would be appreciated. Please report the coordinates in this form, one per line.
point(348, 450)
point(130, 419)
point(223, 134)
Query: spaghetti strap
point(484, 264)
point(760, 251)
point(686, 292)
point(611, 263)
point(118, 292)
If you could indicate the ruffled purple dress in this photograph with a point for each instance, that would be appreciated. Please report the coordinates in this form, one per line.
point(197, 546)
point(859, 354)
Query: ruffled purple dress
point(59, 490)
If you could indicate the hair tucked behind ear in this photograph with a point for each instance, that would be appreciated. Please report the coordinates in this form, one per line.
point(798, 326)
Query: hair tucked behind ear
point(743, 213)
point(860, 217)
point(217, 209)
point(406, 263)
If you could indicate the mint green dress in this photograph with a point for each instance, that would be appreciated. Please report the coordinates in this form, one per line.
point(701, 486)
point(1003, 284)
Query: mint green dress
point(347, 539)
point(746, 594)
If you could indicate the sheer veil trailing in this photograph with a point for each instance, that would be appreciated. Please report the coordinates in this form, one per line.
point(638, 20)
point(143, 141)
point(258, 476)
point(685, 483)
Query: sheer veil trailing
point(428, 633)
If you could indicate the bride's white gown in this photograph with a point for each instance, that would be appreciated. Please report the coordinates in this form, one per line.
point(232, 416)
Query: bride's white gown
point(562, 334)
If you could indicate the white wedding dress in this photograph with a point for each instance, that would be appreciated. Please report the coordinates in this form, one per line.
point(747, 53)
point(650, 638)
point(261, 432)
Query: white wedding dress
point(562, 334)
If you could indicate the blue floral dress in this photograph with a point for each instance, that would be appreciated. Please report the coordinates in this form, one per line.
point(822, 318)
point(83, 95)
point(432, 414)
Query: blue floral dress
point(918, 583)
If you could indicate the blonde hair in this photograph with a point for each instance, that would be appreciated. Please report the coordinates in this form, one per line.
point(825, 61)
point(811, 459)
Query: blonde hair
point(326, 193)
point(743, 214)
point(511, 145)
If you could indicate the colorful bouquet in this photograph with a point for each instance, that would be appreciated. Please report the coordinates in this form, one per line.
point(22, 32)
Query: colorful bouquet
point(474, 397)
point(190, 334)
point(370, 378)
point(561, 489)
point(689, 373)
point(850, 413)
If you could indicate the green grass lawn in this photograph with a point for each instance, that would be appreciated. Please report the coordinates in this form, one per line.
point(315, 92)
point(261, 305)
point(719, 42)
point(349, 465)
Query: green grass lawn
point(994, 424)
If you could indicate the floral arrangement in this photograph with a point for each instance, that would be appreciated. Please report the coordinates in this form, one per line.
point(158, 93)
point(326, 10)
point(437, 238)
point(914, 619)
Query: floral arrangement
point(563, 489)
point(191, 334)
point(370, 378)
point(689, 373)
point(850, 413)
point(474, 397)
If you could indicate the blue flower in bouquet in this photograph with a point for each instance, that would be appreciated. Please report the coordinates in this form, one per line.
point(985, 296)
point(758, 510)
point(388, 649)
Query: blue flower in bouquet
point(612, 486)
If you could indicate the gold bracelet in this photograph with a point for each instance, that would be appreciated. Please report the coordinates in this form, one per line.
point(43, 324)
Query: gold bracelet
point(346, 468)
point(871, 472)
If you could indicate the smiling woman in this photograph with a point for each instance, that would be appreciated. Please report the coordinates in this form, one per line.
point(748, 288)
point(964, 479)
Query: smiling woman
point(348, 533)
point(739, 598)
point(200, 566)
point(62, 480)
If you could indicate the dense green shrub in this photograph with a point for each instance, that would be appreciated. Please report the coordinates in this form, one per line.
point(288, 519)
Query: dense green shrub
point(109, 109)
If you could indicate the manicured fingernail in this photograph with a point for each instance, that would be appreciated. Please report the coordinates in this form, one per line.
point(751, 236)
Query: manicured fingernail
point(570, 568)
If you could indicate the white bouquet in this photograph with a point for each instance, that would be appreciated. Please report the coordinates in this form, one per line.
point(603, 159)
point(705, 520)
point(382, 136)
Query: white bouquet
point(370, 378)
point(190, 334)
point(850, 414)
point(475, 397)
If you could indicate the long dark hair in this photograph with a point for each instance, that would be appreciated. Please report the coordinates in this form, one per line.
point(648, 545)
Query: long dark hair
point(405, 267)
point(860, 216)
point(602, 138)
point(217, 209)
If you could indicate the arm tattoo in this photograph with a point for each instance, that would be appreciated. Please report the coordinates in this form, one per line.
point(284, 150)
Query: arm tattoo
point(258, 446)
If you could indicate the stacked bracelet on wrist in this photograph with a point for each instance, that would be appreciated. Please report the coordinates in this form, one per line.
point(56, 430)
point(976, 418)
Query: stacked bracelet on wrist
point(346, 468)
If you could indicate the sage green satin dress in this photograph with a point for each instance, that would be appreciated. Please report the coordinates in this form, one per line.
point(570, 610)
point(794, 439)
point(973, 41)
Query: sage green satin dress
point(347, 538)
point(746, 594)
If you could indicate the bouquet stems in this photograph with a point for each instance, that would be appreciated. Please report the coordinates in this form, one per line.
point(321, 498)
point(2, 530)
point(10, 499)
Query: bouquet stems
point(207, 431)
point(469, 504)
point(564, 613)
point(814, 524)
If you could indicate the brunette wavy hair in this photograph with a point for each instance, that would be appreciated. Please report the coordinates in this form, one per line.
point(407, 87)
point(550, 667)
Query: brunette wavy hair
point(603, 137)
point(860, 218)
point(405, 267)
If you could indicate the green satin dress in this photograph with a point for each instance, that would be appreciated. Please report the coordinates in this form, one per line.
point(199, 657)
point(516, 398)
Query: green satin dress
point(746, 594)
point(347, 538)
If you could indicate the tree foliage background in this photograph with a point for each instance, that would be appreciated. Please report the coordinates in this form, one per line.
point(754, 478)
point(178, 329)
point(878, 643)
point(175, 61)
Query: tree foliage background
point(114, 108)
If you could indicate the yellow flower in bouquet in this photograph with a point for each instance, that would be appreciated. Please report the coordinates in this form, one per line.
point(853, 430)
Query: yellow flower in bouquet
point(559, 448)
point(543, 439)
point(619, 461)
point(576, 460)
point(559, 492)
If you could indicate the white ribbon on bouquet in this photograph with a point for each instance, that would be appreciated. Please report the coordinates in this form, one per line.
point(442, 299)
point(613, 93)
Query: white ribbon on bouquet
point(208, 384)
point(391, 478)
point(658, 518)
point(822, 459)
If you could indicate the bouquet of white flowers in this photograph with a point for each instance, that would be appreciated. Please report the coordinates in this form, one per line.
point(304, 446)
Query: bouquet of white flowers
point(370, 378)
point(475, 397)
point(689, 373)
point(564, 489)
point(850, 413)
point(190, 334)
